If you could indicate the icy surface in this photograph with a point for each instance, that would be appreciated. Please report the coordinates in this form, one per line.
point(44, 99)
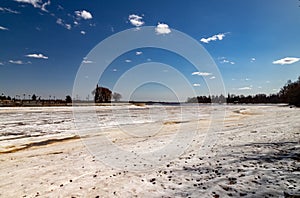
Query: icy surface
point(255, 152)
point(19, 126)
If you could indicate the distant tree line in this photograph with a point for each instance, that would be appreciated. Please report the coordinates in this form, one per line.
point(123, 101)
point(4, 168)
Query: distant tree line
point(33, 97)
point(290, 93)
point(3, 97)
point(101, 95)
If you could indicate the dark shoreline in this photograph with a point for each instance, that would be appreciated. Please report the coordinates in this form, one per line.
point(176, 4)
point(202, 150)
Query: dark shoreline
point(137, 103)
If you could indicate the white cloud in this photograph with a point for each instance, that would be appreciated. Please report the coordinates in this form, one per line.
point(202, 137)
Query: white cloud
point(82, 32)
point(259, 87)
point(196, 85)
point(268, 81)
point(253, 60)
point(3, 28)
point(84, 14)
point(68, 26)
point(59, 21)
point(18, 62)
point(87, 61)
point(115, 70)
point(40, 56)
point(245, 88)
point(34, 3)
point(213, 77)
point(138, 53)
point(128, 61)
point(225, 60)
point(1, 63)
point(213, 38)
point(8, 10)
point(59, 7)
point(202, 73)
point(162, 28)
point(136, 20)
point(43, 7)
point(286, 61)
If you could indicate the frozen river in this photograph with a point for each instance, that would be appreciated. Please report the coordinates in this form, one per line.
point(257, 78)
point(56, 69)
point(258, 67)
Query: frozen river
point(150, 151)
point(23, 125)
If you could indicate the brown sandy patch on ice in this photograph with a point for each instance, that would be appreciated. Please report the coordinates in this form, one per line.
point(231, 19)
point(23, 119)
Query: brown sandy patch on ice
point(36, 143)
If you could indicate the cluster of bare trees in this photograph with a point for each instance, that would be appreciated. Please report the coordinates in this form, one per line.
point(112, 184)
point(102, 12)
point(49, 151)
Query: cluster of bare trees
point(291, 92)
point(103, 95)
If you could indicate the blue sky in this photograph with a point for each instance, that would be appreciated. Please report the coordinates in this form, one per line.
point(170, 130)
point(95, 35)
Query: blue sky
point(255, 44)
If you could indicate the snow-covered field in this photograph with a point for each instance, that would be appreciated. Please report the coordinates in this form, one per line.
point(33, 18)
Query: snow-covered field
point(150, 151)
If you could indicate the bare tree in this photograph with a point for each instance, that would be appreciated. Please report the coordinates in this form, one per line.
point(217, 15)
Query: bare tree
point(33, 97)
point(116, 96)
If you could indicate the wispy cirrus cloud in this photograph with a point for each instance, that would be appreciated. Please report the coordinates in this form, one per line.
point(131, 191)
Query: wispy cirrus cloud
point(36, 3)
point(213, 38)
point(84, 14)
point(202, 73)
point(8, 10)
point(43, 7)
point(224, 60)
point(162, 28)
point(286, 61)
point(39, 56)
point(138, 53)
point(87, 61)
point(245, 88)
point(18, 62)
point(61, 22)
point(136, 20)
point(3, 28)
